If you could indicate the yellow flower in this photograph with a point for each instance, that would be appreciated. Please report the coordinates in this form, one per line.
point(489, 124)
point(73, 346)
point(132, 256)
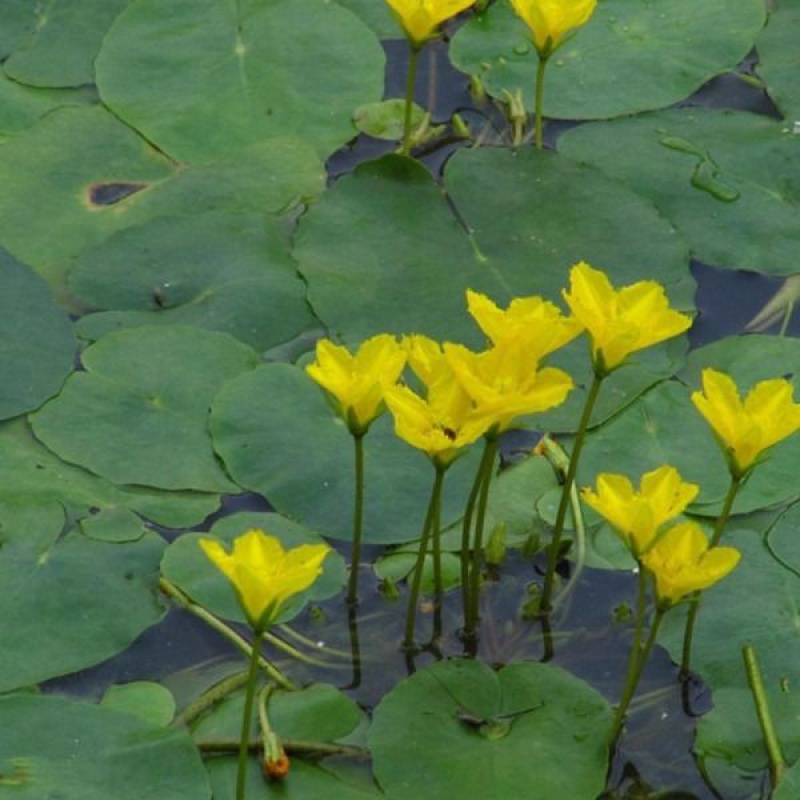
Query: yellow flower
point(620, 322)
point(537, 322)
point(551, 20)
point(356, 382)
point(637, 515)
point(421, 18)
point(682, 563)
point(504, 383)
point(443, 423)
point(265, 575)
point(746, 430)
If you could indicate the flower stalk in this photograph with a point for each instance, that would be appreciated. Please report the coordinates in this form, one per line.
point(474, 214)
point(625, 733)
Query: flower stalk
point(358, 519)
point(561, 514)
point(411, 82)
point(247, 717)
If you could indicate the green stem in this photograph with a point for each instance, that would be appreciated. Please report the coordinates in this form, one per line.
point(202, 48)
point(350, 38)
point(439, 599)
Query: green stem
point(694, 603)
point(466, 527)
point(632, 680)
point(311, 643)
point(777, 764)
point(416, 580)
point(540, 70)
point(561, 514)
point(436, 533)
point(358, 520)
point(172, 591)
point(471, 622)
point(411, 80)
point(292, 746)
point(217, 693)
point(355, 647)
point(247, 716)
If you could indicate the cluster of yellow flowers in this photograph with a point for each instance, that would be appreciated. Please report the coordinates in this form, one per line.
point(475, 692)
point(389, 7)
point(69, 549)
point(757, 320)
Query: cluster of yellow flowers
point(471, 394)
point(550, 21)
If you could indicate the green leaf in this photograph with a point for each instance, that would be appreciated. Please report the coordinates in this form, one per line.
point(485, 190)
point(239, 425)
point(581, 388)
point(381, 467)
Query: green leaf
point(67, 38)
point(206, 79)
point(149, 701)
point(224, 272)
point(139, 412)
point(377, 15)
point(113, 525)
point(407, 260)
point(37, 344)
point(386, 120)
point(398, 565)
point(21, 106)
point(19, 22)
point(629, 57)
point(530, 728)
point(778, 58)
point(73, 603)
point(88, 176)
point(29, 472)
point(186, 565)
point(277, 409)
point(54, 747)
point(719, 176)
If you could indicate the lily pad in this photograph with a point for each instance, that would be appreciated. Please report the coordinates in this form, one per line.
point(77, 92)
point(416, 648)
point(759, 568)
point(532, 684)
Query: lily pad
point(88, 175)
point(90, 752)
point(67, 38)
point(260, 419)
point(377, 16)
point(386, 120)
point(186, 565)
point(407, 261)
point(659, 52)
point(73, 603)
point(207, 79)
point(395, 566)
point(778, 58)
point(719, 176)
point(224, 272)
point(113, 525)
point(532, 729)
point(29, 472)
point(37, 343)
point(139, 413)
point(21, 106)
point(19, 22)
point(148, 701)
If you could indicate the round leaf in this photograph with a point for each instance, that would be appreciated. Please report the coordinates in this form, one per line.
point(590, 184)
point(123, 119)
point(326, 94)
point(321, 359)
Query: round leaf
point(407, 260)
point(660, 52)
point(222, 272)
point(149, 701)
point(205, 79)
point(113, 525)
point(29, 472)
point(188, 566)
point(62, 50)
point(139, 412)
point(37, 345)
point(278, 410)
point(719, 176)
point(777, 57)
point(56, 747)
point(532, 729)
point(72, 604)
point(88, 175)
